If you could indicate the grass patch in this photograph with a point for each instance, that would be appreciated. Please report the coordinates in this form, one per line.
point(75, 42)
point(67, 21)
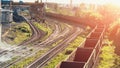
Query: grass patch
point(62, 56)
point(19, 33)
point(42, 27)
point(28, 60)
point(56, 43)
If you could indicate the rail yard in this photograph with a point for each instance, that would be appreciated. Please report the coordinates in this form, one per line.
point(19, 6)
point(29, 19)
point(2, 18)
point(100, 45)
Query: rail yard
point(56, 35)
point(61, 33)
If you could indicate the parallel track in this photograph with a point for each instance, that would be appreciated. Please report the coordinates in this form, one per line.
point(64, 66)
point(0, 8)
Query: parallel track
point(56, 35)
point(45, 58)
point(59, 34)
point(36, 33)
point(50, 54)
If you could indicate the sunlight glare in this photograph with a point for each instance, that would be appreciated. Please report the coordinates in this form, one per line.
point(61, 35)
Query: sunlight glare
point(97, 2)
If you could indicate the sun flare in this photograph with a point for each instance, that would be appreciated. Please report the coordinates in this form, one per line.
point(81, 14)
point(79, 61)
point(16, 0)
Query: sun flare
point(97, 2)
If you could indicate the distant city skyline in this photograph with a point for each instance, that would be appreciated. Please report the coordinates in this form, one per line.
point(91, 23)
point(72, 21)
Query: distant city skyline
point(66, 1)
point(115, 2)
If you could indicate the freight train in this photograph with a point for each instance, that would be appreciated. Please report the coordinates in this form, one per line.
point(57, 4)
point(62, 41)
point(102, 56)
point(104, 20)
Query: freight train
point(86, 56)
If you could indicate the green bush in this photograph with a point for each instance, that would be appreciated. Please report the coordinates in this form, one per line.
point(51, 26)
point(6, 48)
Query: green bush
point(107, 57)
point(42, 27)
point(28, 60)
point(19, 33)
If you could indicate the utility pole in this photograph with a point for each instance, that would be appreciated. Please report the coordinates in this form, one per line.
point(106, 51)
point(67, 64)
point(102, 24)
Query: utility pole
point(46, 4)
point(41, 1)
point(70, 3)
point(38, 1)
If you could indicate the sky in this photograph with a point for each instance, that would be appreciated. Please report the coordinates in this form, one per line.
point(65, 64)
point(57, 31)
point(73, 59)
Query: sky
point(115, 2)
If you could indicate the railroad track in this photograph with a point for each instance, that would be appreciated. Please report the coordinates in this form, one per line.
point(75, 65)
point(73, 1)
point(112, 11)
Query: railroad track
point(58, 32)
point(39, 63)
point(50, 54)
point(36, 33)
point(45, 58)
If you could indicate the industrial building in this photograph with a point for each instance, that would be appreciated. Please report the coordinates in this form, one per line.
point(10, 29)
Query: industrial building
point(38, 11)
point(7, 13)
point(7, 16)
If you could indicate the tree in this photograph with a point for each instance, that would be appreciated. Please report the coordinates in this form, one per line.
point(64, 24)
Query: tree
point(114, 34)
point(92, 17)
point(117, 62)
point(88, 14)
point(110, 13)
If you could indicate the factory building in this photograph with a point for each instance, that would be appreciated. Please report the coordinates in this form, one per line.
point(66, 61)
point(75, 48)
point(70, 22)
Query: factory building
point(7, 16)
point(38, 11)
point(7, 13)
